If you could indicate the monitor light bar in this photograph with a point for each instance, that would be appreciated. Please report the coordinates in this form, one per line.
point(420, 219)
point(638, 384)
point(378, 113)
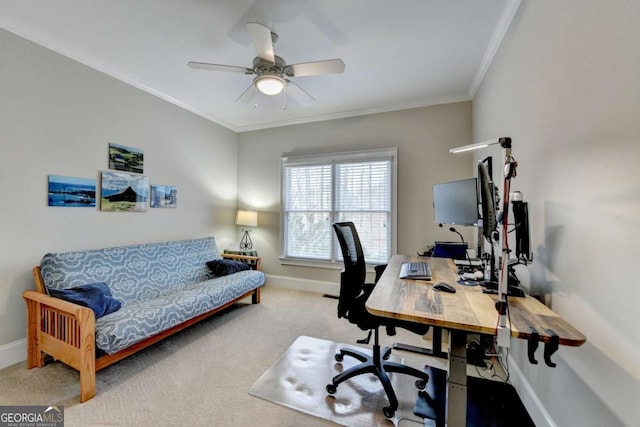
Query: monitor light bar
point(475, 146)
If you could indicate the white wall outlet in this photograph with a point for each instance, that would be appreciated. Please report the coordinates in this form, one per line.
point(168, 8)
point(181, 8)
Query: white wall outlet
point(504, 337)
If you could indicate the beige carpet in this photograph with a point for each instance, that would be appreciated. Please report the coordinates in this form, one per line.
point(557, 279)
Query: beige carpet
point(298, 379)
point(199, 377)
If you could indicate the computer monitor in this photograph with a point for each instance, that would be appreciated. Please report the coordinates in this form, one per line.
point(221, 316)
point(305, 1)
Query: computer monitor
point(487, 201)
point(456, 202)
point(521, 223)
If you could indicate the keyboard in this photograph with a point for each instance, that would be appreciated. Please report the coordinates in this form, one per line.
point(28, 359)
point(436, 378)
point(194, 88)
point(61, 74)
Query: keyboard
point(419, 270)
point(466, 262)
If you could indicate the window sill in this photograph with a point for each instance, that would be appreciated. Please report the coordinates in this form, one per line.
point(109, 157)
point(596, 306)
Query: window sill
point(329, 265)
point(310, 263)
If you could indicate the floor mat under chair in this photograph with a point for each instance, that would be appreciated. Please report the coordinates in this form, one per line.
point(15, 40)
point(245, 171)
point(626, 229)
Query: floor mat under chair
point(298, 381)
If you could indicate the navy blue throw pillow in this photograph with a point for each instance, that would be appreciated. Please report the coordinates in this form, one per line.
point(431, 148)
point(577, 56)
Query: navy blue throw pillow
point(223, 267)
point(96, 296)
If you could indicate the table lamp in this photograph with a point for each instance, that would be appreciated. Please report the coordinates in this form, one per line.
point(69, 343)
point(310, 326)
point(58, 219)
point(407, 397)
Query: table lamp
point(246, 219)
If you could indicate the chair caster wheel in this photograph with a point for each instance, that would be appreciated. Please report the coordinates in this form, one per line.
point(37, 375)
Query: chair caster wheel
point(339, 357)
point(331, 389)
point(421, 384)
point(388, 412)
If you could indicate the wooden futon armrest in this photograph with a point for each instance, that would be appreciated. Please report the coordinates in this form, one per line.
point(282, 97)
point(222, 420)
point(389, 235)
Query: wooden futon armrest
point(62, 305)
point(253, 261)
point(64, 330)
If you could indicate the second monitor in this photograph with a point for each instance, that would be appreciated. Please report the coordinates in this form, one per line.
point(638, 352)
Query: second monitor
point(456, 202)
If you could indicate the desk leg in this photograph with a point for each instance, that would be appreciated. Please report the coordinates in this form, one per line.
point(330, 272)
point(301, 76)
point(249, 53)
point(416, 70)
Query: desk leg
point(457, 383)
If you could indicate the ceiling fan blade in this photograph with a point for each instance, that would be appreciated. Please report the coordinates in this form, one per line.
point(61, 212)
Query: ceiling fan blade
point(248, 94)
point(329, 66)
point(261, 37)
point(300, 95)
point(219, 67)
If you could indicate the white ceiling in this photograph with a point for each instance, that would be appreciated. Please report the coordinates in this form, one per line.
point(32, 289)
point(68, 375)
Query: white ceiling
point(398, 54)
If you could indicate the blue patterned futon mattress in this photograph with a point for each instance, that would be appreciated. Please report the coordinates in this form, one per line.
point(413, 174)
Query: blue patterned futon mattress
point(160, 285)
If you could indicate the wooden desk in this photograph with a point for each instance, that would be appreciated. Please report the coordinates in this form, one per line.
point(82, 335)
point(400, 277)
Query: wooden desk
point(469, 310)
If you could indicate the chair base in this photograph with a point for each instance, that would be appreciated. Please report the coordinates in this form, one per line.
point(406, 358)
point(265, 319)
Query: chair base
point(378, 365)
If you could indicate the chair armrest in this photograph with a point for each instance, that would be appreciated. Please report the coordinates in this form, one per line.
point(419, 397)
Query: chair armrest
point(252, 261)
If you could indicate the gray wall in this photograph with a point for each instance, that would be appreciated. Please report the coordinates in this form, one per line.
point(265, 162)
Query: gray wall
point(423, 137)
point(565, 86)
point(57, 117)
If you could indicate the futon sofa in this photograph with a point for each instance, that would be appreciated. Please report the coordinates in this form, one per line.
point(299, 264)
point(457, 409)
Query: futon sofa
point(113, 302)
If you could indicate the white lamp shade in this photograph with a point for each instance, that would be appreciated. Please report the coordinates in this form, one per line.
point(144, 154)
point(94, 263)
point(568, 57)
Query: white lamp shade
point(247, 218)
point(269, 85)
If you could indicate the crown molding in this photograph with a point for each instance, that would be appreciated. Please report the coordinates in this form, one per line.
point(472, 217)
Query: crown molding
point(509, 11)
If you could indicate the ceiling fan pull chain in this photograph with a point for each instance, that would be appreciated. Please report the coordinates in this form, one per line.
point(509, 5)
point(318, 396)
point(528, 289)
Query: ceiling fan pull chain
point(284, 97)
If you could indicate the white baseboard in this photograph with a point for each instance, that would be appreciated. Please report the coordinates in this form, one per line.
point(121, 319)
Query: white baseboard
point(13, 353)
point(319, 286)
point(528, 396)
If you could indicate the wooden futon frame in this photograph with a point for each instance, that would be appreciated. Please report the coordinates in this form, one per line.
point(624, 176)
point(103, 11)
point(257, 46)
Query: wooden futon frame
point(66, 331)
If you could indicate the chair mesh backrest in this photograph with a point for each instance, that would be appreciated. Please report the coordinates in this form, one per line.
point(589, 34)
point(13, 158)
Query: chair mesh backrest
point(353, 277)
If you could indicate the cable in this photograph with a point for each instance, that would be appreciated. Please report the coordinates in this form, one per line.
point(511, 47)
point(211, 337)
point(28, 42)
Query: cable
point(489, 368)
point(506, 367)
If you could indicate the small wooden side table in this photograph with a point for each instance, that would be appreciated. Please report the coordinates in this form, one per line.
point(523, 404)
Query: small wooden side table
point(245, 252)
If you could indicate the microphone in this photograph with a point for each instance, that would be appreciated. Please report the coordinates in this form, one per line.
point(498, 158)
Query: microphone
point(468, 279)
point(457, 232)
point(453, 230)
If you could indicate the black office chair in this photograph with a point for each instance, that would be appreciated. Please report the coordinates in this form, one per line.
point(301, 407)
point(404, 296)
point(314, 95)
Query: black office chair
point(351, 305)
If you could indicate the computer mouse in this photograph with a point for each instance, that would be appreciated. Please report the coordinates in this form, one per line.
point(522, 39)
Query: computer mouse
point(444, 287)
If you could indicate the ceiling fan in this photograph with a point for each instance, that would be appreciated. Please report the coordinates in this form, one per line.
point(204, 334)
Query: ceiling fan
point(272, 72)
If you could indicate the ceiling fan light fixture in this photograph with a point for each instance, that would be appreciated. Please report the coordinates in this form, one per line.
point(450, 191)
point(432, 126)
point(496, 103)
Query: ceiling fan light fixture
point(269, 84)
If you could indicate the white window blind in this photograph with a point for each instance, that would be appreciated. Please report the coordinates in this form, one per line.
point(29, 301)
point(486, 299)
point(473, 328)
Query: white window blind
point(363, 196)
point(318, 191)
point(308, 209)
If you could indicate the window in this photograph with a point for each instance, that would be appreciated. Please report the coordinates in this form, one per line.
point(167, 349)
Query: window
point(320, 190)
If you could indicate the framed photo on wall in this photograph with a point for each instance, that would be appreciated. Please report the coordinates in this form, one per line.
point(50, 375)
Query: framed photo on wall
point(127, 159)
point(124, 192)
point(69, 191)
point(164, 196)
